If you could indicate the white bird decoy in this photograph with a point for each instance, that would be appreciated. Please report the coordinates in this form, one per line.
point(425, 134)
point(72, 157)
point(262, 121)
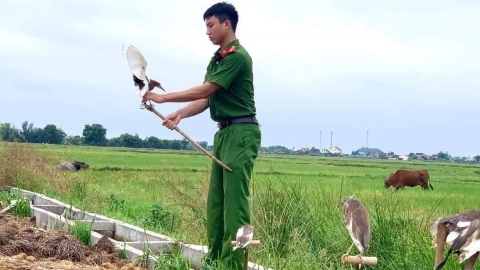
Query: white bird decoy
point(138, 65)
point(356, 220)
point(463, 235)
point(244, 236)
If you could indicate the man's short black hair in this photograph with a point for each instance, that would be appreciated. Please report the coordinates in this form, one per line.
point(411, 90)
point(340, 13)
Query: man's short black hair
point(223, 11)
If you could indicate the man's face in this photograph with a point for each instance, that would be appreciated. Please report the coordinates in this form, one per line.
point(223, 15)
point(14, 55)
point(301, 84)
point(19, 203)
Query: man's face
point(216, 30)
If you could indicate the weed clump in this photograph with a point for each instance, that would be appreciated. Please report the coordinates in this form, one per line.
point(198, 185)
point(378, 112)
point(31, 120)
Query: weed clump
point(23, 166)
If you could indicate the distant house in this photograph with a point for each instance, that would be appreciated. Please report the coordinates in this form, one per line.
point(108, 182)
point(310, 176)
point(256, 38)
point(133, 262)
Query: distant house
point(304, 149)
point(403, 157)
point(419, 155)
point(394, 157)
point(335, 150)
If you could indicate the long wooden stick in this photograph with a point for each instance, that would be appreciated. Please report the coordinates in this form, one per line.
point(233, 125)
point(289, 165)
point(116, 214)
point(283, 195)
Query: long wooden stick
point(252, 243)
point(357, 260)
point(245, 259)
point(150, 108)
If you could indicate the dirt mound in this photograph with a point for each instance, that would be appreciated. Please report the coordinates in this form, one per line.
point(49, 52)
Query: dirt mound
point(24, 246)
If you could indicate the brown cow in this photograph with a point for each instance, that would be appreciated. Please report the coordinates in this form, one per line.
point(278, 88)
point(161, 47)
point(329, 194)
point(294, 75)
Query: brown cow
point(409, 178)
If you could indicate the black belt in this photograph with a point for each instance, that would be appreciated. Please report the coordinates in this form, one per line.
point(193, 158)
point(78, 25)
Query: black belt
point(243, 119)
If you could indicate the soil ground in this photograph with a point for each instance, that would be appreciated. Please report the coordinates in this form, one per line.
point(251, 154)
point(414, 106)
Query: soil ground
point(24, 246)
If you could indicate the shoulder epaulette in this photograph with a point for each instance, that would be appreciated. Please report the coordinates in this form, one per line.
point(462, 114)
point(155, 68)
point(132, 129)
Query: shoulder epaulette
point(228, 50)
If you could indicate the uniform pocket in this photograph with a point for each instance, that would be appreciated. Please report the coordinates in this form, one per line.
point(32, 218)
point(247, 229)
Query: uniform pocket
point(251, 139)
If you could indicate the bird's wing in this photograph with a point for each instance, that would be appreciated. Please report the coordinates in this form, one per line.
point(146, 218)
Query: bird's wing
point(353, 230)
point(136, 62)
point(347, 218)
point(350, 225)
point(457, 225)
point(362, 228)
point(472, 243)
point(464, 236)
point(239, 232)
point(244, 239)
point(451, 237)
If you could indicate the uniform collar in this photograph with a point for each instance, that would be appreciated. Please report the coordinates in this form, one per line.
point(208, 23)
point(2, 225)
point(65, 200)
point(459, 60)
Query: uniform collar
point(231, 47)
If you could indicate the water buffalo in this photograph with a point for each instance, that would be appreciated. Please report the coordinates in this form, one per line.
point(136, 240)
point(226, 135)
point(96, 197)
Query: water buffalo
point(72, 166)
point(409, 178)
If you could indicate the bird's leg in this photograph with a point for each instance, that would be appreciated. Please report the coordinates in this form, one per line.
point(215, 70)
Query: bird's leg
point(351, 246)
point(361, 259)
point(348, 251)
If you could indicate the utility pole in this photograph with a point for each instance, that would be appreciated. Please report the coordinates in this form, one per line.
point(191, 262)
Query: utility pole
point(331, 138)
point(367, 138)
point(320, 140)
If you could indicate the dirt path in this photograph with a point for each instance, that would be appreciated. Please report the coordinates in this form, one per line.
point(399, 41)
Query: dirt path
point(23, 262)
point(24, 246)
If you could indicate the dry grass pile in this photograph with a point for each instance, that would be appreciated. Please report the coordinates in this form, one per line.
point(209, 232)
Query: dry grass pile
point(19, 236)
point(23, 166)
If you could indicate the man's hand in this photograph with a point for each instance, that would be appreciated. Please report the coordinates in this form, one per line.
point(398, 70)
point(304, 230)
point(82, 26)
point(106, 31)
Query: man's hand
point(172, 120)
point(149, 95)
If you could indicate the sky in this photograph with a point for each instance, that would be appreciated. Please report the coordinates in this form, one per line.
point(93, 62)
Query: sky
point(406, 71)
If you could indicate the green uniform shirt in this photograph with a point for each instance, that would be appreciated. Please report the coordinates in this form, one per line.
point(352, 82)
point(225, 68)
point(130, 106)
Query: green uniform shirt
point(234, 73)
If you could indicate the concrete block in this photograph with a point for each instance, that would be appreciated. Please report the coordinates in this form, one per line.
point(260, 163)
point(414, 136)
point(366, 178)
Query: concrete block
point(99, 225)
point(194, 254)
point(48, 220)
point(56, 209)
point(156, 247)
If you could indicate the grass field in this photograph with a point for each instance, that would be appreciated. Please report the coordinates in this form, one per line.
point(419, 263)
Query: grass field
point(293, 199)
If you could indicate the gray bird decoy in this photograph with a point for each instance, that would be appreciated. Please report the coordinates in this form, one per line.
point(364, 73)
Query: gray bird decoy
point(244, 236)
point(357, 222)
point(463, 235)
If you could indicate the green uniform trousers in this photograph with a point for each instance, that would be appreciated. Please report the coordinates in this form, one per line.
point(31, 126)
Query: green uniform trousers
point(228, 206)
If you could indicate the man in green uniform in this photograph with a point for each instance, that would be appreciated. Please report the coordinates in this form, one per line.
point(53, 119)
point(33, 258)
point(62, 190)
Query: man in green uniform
point(229, 93)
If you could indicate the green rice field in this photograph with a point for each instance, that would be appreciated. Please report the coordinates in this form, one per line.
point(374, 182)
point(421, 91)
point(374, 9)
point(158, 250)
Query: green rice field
point(294, 199)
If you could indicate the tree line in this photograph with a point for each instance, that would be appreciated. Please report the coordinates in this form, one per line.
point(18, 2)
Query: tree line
point(96, 135)
point(93, 135)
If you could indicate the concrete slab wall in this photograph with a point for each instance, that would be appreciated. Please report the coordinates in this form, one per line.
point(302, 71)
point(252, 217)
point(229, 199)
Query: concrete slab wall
point(54, 214)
